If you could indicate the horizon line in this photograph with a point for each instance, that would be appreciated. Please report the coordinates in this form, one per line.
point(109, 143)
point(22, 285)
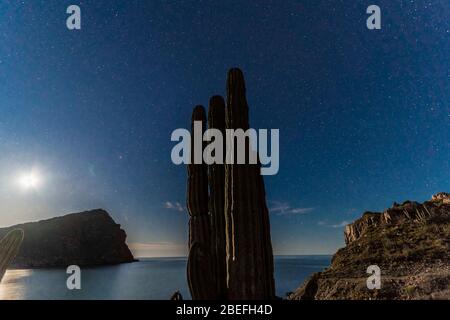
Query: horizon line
point(275, 255)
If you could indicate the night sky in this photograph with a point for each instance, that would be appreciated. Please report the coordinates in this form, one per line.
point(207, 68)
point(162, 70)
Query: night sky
point(364, 116)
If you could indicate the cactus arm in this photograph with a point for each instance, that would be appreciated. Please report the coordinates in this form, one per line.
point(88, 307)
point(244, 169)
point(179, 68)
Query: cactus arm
point(216, 178)
point(200, 257)
point(249, 247)
point(200, 277)
point(9, 247)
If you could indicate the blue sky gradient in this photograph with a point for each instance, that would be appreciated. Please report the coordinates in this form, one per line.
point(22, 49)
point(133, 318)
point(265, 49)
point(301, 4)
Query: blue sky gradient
point(364, 116)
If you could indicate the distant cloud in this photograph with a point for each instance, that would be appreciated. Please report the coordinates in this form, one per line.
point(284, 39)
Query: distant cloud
point(174, 206)
point(283, 208)
point(338, 225)
point(157, 249)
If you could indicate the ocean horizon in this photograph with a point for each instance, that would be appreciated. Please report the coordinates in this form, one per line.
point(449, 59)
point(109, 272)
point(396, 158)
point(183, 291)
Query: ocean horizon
point(147, 279)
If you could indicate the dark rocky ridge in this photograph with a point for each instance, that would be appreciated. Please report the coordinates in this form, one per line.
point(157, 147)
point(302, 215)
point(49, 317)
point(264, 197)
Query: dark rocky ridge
point(410, 242)
point(86, 239)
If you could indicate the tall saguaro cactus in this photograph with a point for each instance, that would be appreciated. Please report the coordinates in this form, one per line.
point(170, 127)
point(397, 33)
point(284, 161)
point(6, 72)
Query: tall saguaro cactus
point(216, 175)
point(9, 247)
point(249, 247)
point(230, 253)
point(200, 257)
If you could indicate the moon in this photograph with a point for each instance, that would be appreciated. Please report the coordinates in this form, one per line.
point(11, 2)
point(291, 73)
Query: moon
point(30, 180)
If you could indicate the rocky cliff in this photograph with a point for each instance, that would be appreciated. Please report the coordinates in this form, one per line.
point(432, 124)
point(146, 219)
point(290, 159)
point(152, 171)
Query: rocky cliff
point(85, 239)
point(410, 242)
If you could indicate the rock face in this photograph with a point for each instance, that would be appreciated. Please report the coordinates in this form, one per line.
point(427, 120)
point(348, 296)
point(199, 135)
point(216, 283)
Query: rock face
point(85, 239)
point(444, 196)
point(410, 242)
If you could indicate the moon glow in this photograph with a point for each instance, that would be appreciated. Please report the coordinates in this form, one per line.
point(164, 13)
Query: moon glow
point(30, 180)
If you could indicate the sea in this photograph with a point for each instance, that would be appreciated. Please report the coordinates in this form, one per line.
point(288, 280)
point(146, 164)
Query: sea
point(147, 279)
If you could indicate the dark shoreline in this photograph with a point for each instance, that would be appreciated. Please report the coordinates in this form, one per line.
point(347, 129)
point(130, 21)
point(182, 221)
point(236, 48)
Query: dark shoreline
point(15, 267)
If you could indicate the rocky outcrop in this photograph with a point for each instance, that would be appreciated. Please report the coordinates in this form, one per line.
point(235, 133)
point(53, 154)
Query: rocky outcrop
point(85, 239)
point(409, 210)
point(442, 196)
point(410, 242)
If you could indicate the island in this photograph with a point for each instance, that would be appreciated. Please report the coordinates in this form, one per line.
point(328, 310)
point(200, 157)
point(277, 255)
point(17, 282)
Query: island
point(89, 238)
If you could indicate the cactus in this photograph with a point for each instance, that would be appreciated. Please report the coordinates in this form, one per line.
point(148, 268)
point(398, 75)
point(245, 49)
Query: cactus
point(216, 176)
point(249, 247)
point(9, 247)
point(421, 217)
point(176, 296)
point(230, 254)
point(200, 257)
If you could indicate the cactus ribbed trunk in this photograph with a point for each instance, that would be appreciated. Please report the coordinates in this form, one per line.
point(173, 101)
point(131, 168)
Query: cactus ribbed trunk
point(230, 254)
point(199, 262)
point(216, 174)
point(9, 247)
point(249, 248)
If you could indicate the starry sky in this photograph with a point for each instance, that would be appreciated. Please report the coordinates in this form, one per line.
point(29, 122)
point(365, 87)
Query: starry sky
point(364, 116)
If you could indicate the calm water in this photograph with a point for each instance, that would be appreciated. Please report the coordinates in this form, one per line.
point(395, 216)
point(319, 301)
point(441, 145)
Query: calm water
point(147, 279)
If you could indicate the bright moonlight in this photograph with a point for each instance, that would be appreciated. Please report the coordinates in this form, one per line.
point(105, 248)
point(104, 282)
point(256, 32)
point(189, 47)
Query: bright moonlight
point(30, 180)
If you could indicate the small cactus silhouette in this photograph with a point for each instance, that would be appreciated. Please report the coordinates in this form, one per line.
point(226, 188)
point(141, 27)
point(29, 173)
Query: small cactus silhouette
point(9, 247)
